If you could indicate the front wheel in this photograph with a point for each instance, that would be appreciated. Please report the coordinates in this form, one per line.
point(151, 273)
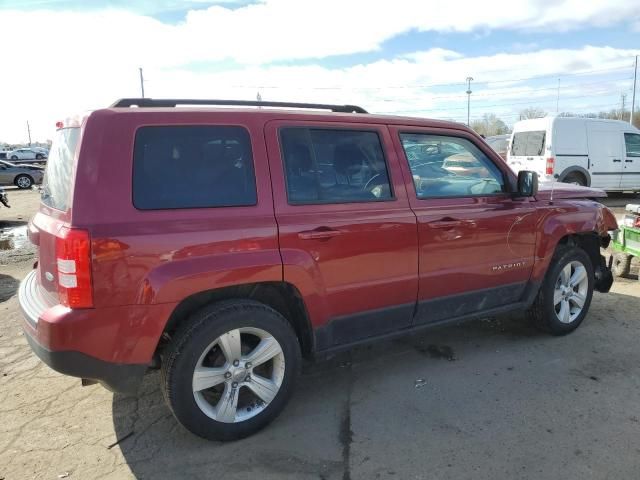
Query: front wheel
point(565, 295)
point(24, 181)
point(230, 369)
point(38, 157)
point(13, 157)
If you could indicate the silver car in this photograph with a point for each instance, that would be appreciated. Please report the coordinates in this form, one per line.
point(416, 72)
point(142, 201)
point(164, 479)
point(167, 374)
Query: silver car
point(22, 176)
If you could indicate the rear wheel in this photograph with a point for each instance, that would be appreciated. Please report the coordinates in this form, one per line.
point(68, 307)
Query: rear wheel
point(24, 181)
point(576, 179)
point(39, 156)
point(621, 265)
point(231, 369)
point(13, 157)
point(565, 295)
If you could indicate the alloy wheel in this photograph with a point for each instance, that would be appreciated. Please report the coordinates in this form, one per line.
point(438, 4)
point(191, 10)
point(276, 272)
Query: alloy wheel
point(238, 375)
point(570, 293)
point(24, 182)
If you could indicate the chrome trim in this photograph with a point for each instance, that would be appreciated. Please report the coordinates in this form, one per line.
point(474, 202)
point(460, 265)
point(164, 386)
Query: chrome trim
point(32, 302)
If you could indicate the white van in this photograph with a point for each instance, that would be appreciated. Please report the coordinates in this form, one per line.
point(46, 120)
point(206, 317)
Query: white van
point(585, 151)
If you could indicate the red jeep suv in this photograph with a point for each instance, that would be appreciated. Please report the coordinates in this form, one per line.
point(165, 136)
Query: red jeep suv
point(222, 245)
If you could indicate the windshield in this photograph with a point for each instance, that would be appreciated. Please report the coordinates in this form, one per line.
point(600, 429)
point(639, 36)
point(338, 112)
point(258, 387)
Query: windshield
point(58, 174)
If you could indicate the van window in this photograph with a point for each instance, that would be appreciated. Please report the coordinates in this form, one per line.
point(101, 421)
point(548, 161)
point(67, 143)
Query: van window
point(333, 166)
point(528, 144)
point(192, 167)
point(56, 186)
point(632, 142)
point(443, 166)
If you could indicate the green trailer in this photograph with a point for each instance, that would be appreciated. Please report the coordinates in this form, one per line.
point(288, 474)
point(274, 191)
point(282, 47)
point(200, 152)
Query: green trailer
point(626, 241)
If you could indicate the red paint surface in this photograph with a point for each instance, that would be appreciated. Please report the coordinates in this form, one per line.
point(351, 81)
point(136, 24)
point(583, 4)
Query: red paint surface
point(388, 253)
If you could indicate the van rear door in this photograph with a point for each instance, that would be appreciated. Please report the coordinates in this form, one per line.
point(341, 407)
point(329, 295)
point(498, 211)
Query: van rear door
point(606, 157)
point(528, 151)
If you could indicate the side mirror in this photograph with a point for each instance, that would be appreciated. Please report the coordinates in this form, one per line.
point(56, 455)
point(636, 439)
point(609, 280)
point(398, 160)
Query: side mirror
point(527, 183)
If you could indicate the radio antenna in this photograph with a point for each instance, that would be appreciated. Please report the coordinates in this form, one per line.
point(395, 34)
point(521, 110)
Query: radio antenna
point(553, 184)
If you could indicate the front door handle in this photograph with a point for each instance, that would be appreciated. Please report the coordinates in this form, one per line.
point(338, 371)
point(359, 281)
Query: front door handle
point(617, 160)
point(450, 222)
point(628, 161)
point(320, 233)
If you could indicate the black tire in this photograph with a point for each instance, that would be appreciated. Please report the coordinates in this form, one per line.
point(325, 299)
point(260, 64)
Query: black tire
point(575, 178)
point(191, 341)
point(621, 265)
point(13, 157)
point(38, 156)
point(542, 312)
point(22, 179)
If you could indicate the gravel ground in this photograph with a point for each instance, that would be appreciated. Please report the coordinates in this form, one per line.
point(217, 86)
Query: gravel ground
point(488, 399)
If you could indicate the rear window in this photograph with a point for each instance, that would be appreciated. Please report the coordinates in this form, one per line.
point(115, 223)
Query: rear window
point(528, 144)
point(192, 167)
point(57, 181)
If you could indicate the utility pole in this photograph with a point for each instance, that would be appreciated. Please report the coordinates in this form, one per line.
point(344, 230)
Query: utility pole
point(469, 80)
point(558, 98)
point(633, 97)
point(29, 132)
point(623, 98)
point(141, 81)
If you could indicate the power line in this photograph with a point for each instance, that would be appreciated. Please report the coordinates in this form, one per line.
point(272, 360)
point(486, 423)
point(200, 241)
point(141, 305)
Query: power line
point(589, 109)
point(503, 92)
point(452, 84)
point(527, 102)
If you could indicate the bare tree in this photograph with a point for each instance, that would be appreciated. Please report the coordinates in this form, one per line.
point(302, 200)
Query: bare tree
point(532, 112)
point(489, 125)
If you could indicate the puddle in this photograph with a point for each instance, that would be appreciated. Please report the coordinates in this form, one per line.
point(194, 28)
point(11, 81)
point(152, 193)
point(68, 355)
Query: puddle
point(13, 238)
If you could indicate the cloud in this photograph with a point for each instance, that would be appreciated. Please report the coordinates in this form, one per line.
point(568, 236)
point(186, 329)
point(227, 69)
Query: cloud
point(82, 60)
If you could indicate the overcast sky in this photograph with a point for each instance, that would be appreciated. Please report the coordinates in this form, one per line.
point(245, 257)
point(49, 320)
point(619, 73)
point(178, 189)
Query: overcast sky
point(402, 57)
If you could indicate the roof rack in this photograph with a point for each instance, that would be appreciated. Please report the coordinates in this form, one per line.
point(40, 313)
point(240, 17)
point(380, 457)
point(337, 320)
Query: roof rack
point(171, 102)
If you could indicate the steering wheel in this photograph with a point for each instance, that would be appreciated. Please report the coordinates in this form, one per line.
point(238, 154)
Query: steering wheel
point(381, 177)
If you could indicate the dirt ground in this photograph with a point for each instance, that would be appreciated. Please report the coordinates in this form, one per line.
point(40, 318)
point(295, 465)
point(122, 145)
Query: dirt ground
point(487, 399)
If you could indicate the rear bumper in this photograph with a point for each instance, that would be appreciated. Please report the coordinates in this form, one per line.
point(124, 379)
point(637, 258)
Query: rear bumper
point(113, 346)
point(114, 377)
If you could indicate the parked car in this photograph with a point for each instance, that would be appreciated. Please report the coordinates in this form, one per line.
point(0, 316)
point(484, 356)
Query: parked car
point(22, 176)
point(287, 234)
point(583, 151)
point(26, 154)
point(500, 143)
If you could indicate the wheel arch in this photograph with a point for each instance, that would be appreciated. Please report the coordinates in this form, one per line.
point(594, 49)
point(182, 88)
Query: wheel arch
point(281, 296)
point(575, 169)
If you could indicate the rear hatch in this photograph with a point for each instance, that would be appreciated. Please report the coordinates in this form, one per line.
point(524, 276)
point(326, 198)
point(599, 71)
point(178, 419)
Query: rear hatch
point(528, 152)
point(53, 219)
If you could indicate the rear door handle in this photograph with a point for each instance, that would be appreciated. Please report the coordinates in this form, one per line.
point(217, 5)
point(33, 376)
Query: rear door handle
point(617, 160)
point(628, 161)
point(320, 233)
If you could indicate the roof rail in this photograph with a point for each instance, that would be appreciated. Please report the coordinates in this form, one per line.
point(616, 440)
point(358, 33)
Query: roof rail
point(171, 102)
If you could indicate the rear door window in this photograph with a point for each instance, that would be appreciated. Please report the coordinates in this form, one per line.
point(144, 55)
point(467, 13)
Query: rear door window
point(58, 177)
point(632, 143)
point(528, 144)
point(192, 166)
point(334, 166)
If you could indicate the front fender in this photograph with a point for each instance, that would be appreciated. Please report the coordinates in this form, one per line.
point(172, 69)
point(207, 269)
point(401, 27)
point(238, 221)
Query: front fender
point(569, 218)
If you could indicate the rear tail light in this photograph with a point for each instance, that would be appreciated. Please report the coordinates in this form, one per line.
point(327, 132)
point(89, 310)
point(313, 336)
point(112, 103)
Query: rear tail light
point(73, 256)
point(637, 223)
point(550, 165)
